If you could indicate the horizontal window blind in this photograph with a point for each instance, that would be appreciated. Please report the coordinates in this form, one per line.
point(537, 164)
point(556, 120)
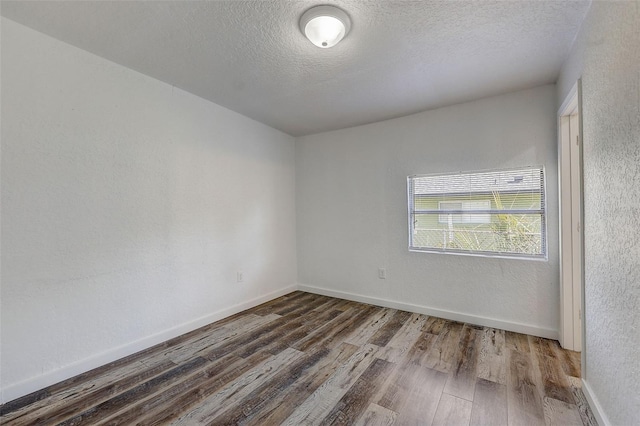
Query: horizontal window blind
point(493, 213)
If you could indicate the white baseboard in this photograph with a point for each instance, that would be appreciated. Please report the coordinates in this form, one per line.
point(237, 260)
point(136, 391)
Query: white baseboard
point(18, 390)
point(440, 313)
point(594, 404)
point(28, 386)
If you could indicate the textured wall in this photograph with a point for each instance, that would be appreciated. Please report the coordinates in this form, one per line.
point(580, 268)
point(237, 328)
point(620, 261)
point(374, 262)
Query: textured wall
point(352, 209)
point(127, 208)
point(607, 55)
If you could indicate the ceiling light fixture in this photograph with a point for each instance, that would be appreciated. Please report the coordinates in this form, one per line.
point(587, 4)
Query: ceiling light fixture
point(325, 26)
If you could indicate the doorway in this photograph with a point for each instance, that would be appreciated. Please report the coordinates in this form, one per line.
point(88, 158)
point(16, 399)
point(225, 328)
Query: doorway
point(571, 221)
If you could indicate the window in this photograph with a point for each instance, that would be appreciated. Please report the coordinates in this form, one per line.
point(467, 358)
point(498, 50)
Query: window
point(491, 213)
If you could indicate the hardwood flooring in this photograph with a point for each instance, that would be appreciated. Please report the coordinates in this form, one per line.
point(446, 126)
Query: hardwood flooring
point(304, 359)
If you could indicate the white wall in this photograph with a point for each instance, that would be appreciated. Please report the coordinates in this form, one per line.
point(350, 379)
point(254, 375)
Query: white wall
point(607, 56)
point(352, 211)
point(127, 208)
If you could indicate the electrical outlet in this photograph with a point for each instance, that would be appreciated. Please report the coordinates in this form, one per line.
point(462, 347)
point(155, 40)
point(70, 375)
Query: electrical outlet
point(382, 273)
point(240, 276)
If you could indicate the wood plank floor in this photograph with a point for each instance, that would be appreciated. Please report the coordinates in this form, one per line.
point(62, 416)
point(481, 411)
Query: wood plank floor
point(305, 359)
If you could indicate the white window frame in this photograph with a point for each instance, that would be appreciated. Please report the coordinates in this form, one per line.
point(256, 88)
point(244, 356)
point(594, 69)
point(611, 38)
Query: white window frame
point(459, 180)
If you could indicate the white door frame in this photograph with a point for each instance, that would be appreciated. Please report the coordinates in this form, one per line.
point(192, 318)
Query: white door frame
point(570, 190)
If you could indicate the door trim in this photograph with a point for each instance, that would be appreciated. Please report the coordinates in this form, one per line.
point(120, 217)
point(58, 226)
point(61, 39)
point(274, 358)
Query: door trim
point(571, 221)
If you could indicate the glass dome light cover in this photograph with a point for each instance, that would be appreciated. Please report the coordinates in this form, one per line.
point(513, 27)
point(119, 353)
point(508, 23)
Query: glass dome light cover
point(325, 26)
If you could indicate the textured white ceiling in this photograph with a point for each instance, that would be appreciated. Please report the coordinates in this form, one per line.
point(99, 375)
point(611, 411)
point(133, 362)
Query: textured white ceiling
point(249, 56)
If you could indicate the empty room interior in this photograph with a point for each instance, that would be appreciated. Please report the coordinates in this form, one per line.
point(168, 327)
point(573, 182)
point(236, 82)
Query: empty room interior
point(298, 212)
